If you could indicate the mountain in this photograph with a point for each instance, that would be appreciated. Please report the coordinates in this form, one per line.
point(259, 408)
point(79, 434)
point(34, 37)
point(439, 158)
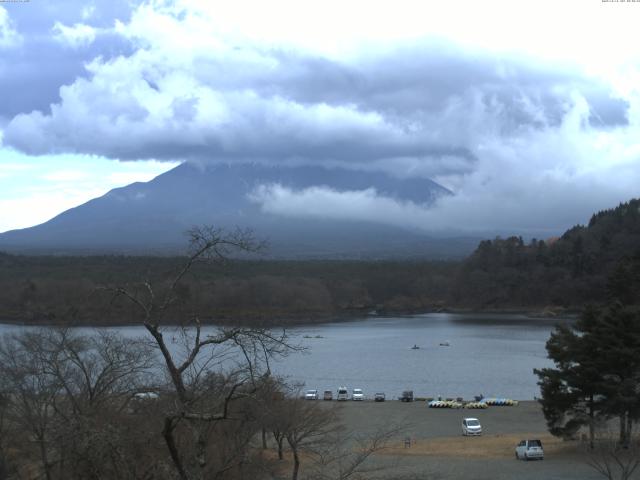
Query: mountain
point(152, 217)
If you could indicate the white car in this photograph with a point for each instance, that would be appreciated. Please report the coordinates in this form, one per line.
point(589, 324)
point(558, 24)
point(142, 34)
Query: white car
point(311, 395)
point(143, 396)
point(343, 394)
point(357, 394)
point(471, 426)
point(530, 450)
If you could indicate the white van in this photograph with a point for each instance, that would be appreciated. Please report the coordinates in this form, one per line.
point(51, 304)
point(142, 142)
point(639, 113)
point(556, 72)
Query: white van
point(530, 450)
point(343, 393)
point(471, 426)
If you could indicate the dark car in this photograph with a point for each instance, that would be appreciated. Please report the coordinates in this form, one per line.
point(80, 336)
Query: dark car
point(407, 396)
point(379, 397)
point(328, 395)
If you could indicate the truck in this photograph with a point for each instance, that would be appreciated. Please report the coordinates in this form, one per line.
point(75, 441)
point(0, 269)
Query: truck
point(407, 396)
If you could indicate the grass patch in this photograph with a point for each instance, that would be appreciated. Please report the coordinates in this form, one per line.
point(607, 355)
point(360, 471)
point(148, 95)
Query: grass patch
point(485, 446)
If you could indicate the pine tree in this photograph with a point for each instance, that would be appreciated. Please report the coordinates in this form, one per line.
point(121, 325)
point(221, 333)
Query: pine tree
point(571, 392)
point(596, 374)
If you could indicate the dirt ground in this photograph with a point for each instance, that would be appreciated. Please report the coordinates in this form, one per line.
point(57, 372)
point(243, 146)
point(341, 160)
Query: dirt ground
point(439, 451)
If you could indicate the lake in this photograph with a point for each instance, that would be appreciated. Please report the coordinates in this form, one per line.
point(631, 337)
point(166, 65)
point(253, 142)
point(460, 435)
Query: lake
point(489, 354)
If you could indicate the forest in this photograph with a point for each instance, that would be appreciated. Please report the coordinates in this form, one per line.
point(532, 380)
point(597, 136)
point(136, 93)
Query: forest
point(542, 276)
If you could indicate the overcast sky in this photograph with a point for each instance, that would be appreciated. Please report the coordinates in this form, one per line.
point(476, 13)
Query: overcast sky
point(528, 111)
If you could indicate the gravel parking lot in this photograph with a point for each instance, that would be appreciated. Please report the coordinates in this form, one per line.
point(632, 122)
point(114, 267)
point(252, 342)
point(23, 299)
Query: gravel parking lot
point(438, 449)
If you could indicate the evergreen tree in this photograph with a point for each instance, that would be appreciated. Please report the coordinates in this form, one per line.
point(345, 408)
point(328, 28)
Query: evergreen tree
point(624, 283)
point(597, 374)
point(571, 392)
point(618, 331)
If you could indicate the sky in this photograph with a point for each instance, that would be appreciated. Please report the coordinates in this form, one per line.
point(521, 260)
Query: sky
point(529, 112)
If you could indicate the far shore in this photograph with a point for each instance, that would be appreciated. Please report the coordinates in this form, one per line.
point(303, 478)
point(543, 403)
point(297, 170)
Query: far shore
point(544, 313)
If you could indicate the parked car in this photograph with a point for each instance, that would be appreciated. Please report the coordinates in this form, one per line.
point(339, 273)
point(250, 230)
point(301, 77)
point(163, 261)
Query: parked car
point(407, 396)
point(328, 395)
point(141, 401)
point(379, 397)
point(530, 450)
point(357, 394)
point(311, 395)
point(143, 396)
point(343, 394)
point(471, 426)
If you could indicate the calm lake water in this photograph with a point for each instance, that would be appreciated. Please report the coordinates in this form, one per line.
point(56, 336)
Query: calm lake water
point(489, 354)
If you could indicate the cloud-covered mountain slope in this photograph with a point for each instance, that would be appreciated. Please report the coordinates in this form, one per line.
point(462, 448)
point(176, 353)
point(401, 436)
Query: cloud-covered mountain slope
point(152, 217)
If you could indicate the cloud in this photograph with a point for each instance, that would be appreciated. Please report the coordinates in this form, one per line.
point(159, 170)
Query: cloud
point(9, 37)
point(66, 176)
point(522, 141)
point(79, 35)
point(35, 67)
point(325, 202)
point(202, 99)
point(88, 11)
point(8, 169)
point(538, 183)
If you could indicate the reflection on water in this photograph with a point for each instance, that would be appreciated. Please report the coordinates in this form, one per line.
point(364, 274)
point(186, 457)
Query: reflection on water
point(489, 354)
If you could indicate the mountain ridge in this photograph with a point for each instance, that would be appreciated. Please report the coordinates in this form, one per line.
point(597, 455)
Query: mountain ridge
point(153, 216)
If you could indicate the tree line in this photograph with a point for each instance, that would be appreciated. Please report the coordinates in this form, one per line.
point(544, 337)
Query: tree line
point(504, 273)
point(66, 290)
point(570, 271)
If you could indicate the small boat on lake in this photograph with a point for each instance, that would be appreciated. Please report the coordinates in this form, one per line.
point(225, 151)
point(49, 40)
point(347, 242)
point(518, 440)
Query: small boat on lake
point(415, 347)
point(445, 344)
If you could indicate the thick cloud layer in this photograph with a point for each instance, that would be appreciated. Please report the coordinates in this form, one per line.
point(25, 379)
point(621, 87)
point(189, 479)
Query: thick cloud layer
point(37, 59)
point(525, 145)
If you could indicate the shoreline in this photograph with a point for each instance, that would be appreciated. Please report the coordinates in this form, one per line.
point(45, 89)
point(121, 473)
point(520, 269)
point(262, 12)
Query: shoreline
point(542, 313)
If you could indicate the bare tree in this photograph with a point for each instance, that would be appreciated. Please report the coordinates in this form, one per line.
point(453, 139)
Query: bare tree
point(31, 397)
point(196, 401)
point(612, 459)
point(93, 370)
point(66, 394)
point(270, 400)
point(4, 467)
point(306, 425)
point(277, 423)
point(313, 431)
point(348, 456)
